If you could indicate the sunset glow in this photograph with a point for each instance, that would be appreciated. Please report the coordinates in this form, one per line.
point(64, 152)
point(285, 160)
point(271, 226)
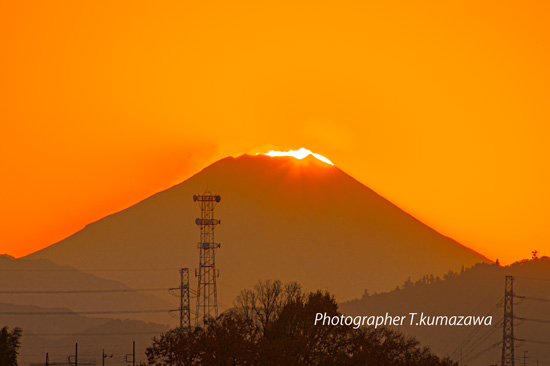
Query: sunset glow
point(299, 154)
point(440, 107)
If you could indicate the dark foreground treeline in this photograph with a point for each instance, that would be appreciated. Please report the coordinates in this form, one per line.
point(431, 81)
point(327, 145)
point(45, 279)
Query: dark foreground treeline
point(273, 324)
point(9, 345)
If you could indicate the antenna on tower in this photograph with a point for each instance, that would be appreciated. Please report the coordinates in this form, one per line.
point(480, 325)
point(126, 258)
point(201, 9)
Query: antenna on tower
point(207, 295)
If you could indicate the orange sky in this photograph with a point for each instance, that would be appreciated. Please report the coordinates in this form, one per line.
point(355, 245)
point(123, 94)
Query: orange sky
point(441, 107)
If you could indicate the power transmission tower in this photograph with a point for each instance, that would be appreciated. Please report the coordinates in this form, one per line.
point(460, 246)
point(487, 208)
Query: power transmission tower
point(207, 295)
point(185, 311)
point(508, 325)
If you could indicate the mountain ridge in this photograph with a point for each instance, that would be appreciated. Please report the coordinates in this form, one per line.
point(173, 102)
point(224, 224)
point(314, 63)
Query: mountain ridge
point(57, 334)
point(41, 282)
point(321, 217)
point(476, 291)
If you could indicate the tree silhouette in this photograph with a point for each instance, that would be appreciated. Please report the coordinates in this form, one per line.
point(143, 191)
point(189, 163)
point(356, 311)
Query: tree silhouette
point(9, 346)
point(263, 304)
point(273, 324)
point(177, 348)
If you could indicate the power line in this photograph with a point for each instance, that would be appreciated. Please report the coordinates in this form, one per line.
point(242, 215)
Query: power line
point(192, 292)
point(534, 341)
point(534, 320)
point(85, 312)
point(82, 291)
point(89, 334)
point(90, 270)
point(468, 339)
point(481, 339)
point(475, 332)
point(533, 298)
point(473, 357)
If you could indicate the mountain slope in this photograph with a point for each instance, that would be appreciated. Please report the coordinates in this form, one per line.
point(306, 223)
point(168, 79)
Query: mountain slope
point(281, 218)
point(476, 291)
point(43, 283)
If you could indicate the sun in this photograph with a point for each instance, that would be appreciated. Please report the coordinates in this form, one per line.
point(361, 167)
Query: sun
point(298, 154)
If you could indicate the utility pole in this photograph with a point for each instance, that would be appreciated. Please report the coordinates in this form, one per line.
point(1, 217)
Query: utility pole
point(207, 293)
point(104, 356)
point(508, 358)
point(75, 355)
point(133, 354)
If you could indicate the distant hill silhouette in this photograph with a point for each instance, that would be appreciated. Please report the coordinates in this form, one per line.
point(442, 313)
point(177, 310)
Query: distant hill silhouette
point(296, 220)
point(475, 291)
point(58, 334)
point(42, 276)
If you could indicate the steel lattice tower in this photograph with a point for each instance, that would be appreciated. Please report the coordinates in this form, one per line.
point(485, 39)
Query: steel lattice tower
point(185, 310)
point(508, 325)
point(207, 295)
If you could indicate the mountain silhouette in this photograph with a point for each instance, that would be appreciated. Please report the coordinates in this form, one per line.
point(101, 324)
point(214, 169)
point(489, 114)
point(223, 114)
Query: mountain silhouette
point(475, 291)
point(294, 220)
point(44, 283)
point(58, 334)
